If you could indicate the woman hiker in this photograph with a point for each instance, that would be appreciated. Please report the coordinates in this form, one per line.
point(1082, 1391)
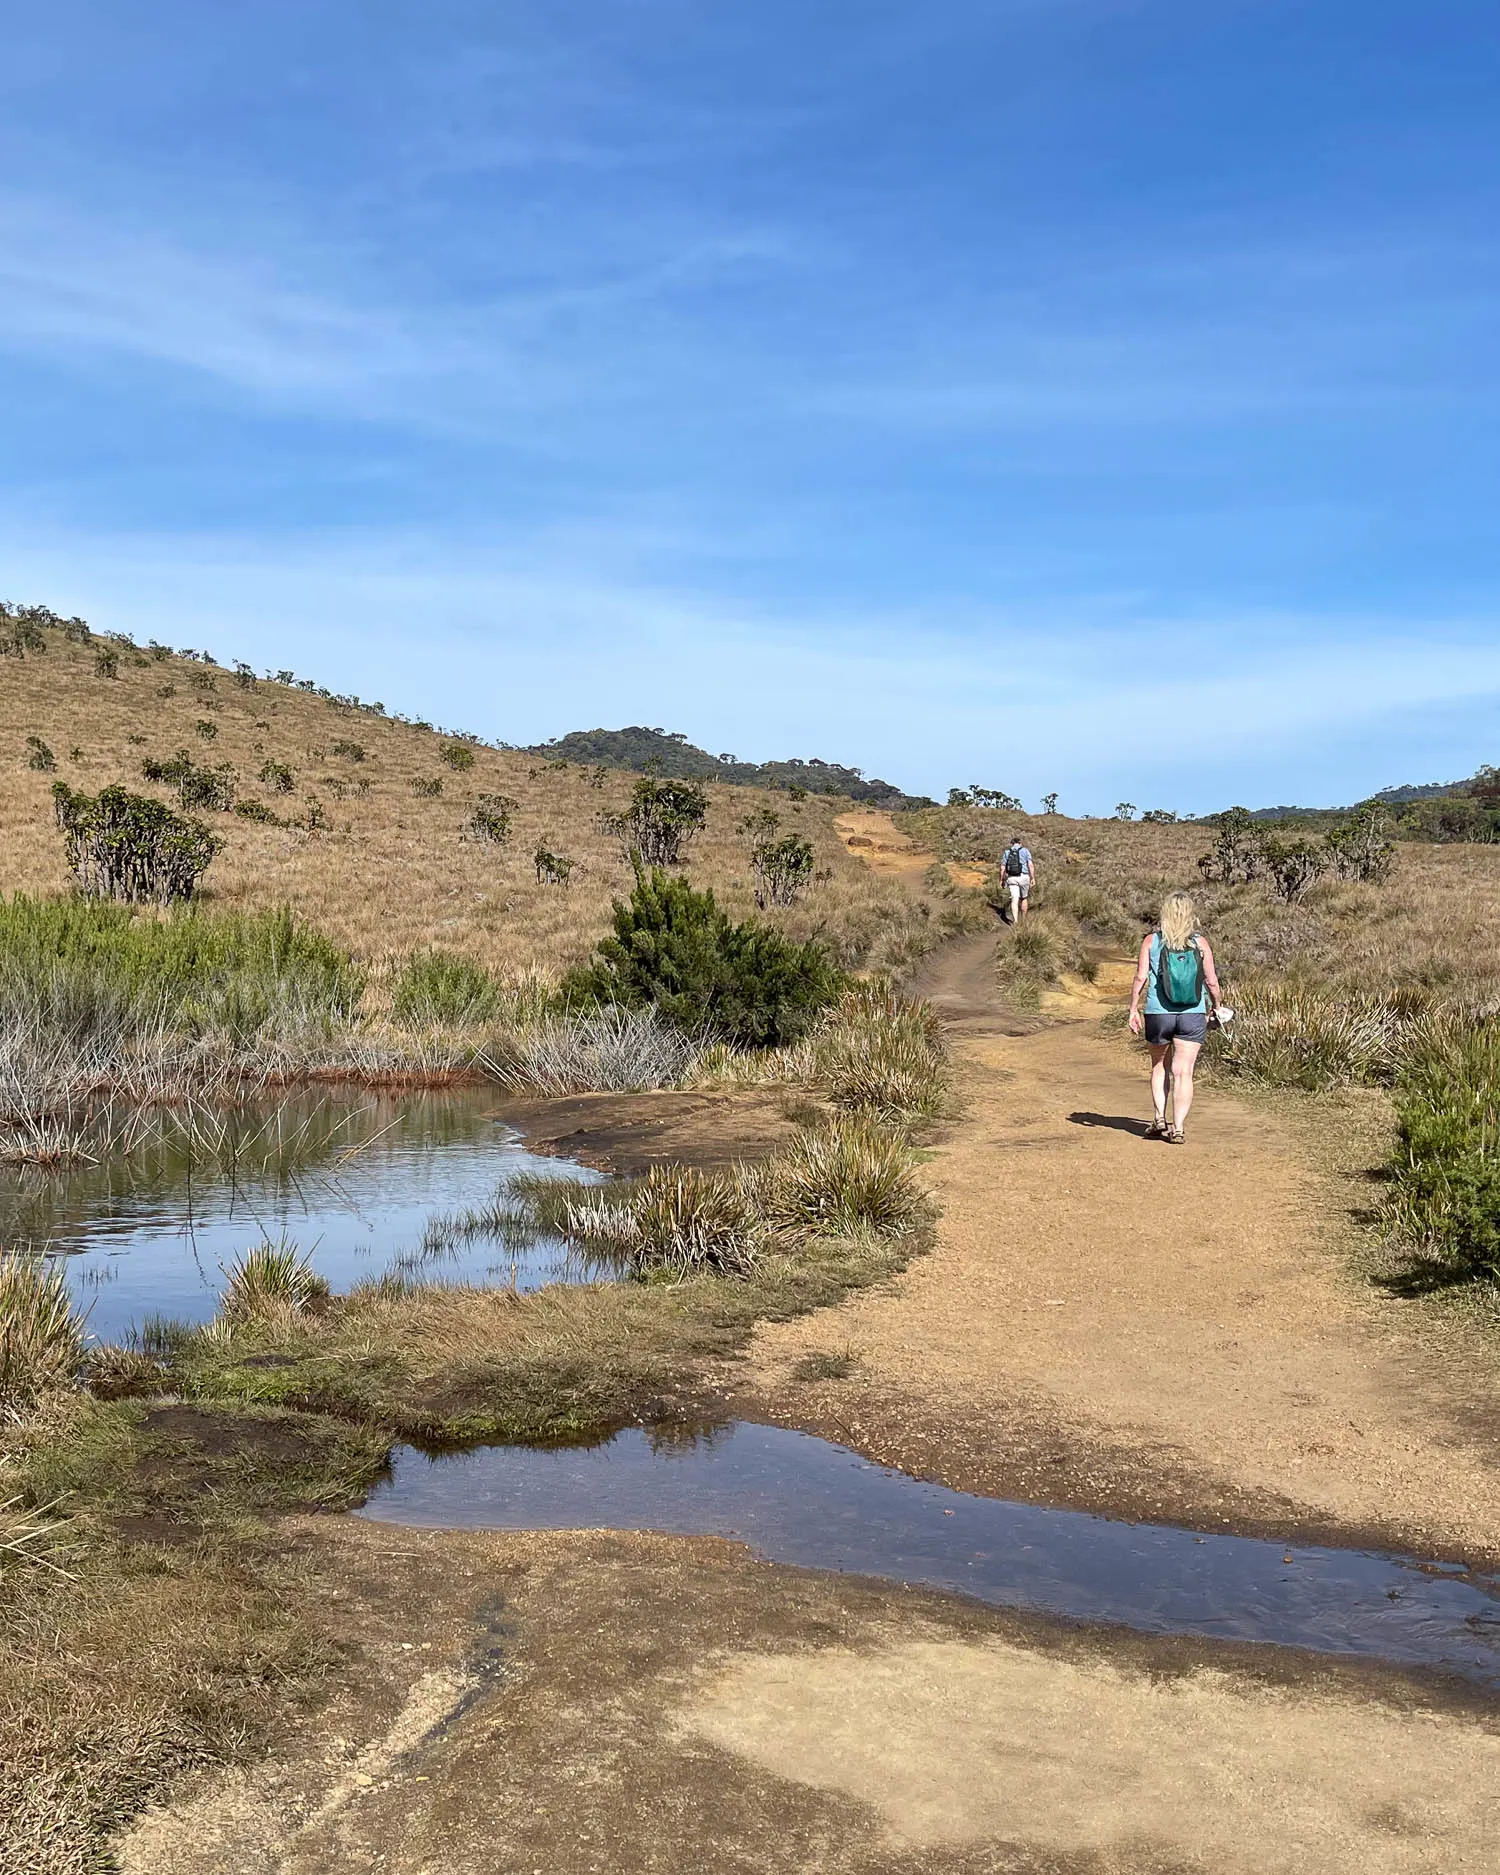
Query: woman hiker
point(1176, 970)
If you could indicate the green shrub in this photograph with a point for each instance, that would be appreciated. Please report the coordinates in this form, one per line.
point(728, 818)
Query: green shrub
point(490, 820)
point(1358, 848)
point(552, 868)
point(106, 662)
point(197, 785)
point(673, 948)
point(39, 756)
point(279, 776)
point(251, 809)
point(782, 863)
point(1445, 1171)
point(41, 1333)
point(206, 731)
point(126, 846)
point(351, 751)
point(458, 755)
point(427, 787)
point(664, 816)
point(436, 989)
point(1292, 865)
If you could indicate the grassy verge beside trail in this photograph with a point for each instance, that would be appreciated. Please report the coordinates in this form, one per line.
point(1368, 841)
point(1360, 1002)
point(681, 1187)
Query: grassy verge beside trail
point(149, 1622)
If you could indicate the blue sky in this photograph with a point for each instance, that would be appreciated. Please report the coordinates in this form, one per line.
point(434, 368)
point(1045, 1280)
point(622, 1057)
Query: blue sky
point(1091, 395)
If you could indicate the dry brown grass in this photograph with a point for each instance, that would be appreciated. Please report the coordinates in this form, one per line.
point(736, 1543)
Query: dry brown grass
point(113, 1682)
point(394, 872)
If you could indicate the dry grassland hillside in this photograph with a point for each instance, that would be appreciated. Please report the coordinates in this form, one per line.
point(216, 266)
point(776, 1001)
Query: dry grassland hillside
point(1433, 927)
point(395, 869)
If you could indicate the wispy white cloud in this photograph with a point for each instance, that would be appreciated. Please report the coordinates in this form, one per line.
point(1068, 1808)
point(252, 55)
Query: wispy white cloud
point(313, 328)
point(535, 644)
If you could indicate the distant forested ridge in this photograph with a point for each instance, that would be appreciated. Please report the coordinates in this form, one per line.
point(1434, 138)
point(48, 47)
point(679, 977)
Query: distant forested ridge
point(670, 753)
point(1442, 811)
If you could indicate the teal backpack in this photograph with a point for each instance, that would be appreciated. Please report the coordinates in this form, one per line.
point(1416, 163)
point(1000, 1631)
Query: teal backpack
point(1179, 976)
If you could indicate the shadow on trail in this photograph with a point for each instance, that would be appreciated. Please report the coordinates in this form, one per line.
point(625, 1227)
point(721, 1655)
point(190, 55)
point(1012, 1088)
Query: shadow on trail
point(1117, 1122)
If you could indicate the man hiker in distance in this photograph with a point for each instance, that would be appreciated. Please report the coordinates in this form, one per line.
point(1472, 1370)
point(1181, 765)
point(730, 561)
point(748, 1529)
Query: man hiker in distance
point(1019, 872)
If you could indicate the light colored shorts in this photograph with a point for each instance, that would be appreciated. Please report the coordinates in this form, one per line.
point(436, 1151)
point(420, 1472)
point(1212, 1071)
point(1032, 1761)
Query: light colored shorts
point(1019, 888)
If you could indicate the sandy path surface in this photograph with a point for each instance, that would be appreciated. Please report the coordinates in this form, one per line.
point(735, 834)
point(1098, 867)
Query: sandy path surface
point(1143, 1327)
point(631, 1705)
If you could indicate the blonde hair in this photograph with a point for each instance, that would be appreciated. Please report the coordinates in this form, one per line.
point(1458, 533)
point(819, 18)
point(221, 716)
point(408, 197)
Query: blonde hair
point(1179, 921)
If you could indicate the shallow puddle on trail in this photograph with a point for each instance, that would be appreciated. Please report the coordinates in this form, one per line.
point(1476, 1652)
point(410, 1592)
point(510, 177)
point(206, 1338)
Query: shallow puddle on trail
point(364, 1181)
point(801, 1500)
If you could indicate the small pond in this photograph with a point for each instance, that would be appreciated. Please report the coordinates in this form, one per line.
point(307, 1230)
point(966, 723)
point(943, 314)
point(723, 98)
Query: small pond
point(360, 1179)
point(797, 1499)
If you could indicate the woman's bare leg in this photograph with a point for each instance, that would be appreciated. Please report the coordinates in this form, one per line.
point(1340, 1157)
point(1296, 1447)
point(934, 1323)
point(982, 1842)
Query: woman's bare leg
point(1184, 1054)
point(1160, 1079)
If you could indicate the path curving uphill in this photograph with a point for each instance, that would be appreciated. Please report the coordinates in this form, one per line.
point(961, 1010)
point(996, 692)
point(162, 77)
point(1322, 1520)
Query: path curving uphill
point(1142, 1329)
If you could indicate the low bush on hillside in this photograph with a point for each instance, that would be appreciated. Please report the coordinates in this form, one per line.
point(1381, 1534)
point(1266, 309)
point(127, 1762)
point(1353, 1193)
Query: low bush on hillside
point(674, 950)
point(39, 756)
point(1244, 850)
point(278, 776)
point(781, 862)
point(552, 868)
point(664, 817)
point(250, 809)
point(126, 846)
point(458, 755)
point(1445, 1172)
point(490, 821)
point(196, 783)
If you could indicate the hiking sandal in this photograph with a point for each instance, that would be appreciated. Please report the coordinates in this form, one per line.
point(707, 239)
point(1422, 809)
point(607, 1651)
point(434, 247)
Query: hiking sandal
point(1157, 1130)
point(1175, 1136)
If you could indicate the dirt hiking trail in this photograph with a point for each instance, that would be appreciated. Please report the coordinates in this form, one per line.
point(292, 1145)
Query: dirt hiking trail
point(1143, 1328)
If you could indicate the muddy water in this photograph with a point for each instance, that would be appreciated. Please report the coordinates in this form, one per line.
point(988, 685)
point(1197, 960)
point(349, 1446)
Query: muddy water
point(797, 1499)
point(359, 1179)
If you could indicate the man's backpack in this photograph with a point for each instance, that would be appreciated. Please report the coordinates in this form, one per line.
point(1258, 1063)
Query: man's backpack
point(1179, 976)
point(1015, 866)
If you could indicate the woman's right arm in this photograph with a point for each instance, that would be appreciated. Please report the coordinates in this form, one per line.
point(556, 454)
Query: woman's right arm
point(1142, 971)
point(1210, 975)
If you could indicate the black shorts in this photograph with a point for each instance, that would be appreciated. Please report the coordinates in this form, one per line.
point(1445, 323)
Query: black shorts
point(1191, 1025)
